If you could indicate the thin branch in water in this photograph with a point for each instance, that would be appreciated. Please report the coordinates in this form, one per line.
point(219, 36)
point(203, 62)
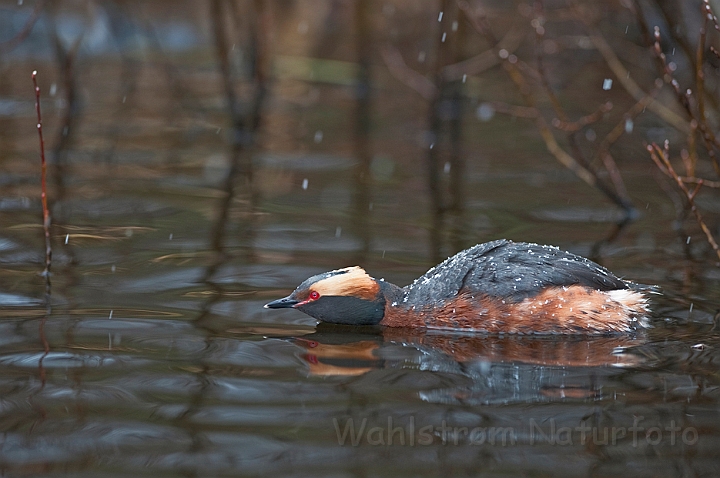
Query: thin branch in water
point(623, 75)
point(514, 110)
point(512, 67)
point(618, 130)
point(704, 182)
point(485, 60)
point(43, 193)
point(714, 52)
point(660, 157)
point(696, 121)
point(572, 126)
point(406, 75)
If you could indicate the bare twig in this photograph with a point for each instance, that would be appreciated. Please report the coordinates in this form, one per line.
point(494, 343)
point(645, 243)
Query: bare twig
point(43, 193)
point(514, 110)
point(572, 126)
point(406, 75)
point(704, 182)
point(714, 52)
point(485, 60)
point(614, 134)
point(661, 158)
point(511, 65)
point(623, 75)
point(480, 24)
point(696, 121)
point(562, 121)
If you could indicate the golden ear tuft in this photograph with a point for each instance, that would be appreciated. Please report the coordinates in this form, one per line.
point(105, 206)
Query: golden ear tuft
point(350, 281)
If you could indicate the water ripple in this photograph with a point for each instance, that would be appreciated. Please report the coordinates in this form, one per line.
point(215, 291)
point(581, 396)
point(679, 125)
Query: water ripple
point(64, 360)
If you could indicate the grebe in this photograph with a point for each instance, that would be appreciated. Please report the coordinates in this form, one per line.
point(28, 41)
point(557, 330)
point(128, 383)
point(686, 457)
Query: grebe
point(500, 287)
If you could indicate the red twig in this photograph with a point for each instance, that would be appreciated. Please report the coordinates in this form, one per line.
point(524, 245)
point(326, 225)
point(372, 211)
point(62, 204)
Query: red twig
point(43, 182)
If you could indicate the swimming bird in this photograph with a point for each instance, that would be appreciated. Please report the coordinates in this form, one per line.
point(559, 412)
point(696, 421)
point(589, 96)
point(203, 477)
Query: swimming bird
point(500, 287)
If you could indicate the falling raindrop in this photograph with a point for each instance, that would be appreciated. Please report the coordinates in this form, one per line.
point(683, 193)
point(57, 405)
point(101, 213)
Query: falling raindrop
point(338, 231)
point(305, 183)
point(318, 136)
point(629, 125)
point(485, 112)
point(607, 83)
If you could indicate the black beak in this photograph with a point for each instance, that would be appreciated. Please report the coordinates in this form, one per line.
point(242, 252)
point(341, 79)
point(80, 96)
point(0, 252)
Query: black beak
point(284, 303)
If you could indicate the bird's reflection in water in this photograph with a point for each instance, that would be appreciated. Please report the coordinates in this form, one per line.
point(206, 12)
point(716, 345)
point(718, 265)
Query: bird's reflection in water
point(500, 368)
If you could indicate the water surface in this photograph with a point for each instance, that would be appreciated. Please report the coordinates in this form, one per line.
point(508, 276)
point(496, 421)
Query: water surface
point(181, 205)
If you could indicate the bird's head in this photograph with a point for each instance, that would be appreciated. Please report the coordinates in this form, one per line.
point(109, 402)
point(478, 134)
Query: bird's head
point(344, 296)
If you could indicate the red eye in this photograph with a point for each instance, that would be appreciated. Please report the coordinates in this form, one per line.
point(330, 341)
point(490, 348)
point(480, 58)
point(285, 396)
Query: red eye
point(314, 295)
